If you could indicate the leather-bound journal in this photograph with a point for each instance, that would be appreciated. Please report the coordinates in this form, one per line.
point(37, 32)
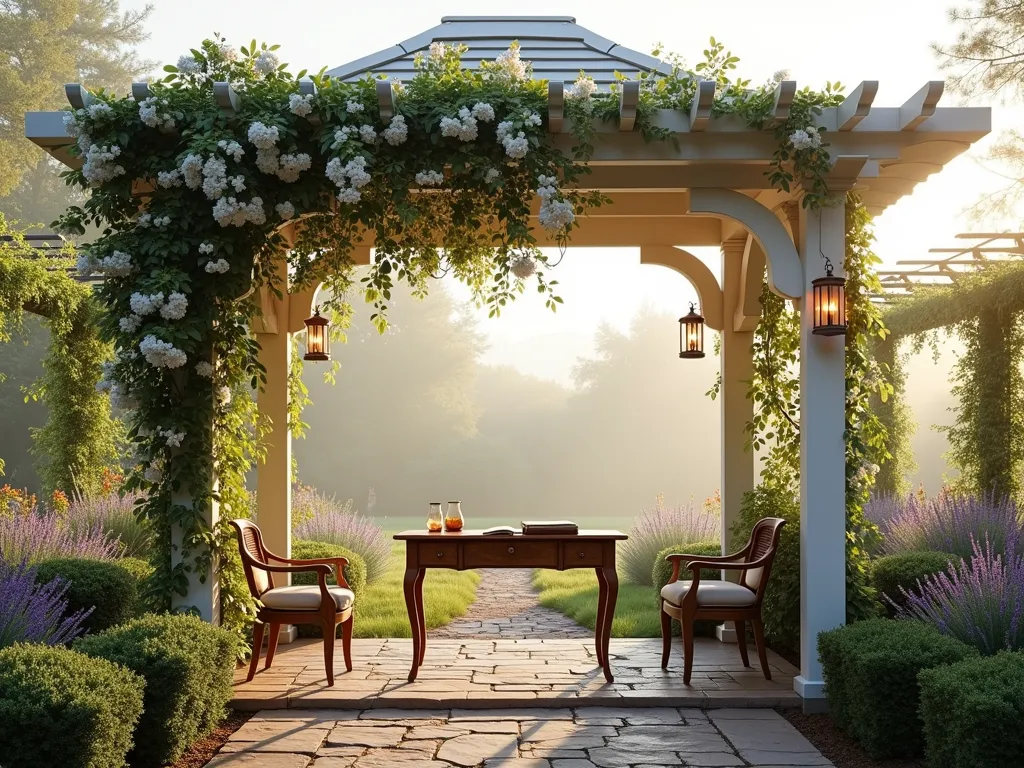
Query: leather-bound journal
point(551, 527)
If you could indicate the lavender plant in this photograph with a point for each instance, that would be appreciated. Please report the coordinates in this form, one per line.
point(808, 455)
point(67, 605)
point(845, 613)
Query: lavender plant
point(115, 516)
point(660, 527)
point(325, 518)
point(952, 523)
point(35, 613)
point(980, 602)
point(42, 536)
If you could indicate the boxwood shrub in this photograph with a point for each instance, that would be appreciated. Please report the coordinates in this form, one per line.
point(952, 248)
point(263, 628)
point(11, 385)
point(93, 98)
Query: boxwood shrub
point(972, 712)
point(111, 591)
point(892, 574)
point(355, 573)
point(870, 670)
point(188, 666)
point(62, 708)
point(662, 572)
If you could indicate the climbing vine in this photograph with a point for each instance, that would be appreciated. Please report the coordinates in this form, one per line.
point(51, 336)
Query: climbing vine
point(193, 184)
point(79, 439)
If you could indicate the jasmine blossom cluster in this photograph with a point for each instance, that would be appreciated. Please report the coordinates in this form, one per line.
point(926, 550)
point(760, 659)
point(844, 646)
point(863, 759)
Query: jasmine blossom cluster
point(150, 114)
point(515, 146)
point(300, 105)
point(143, 304)
point(267, 63)
point(204, 369)
point(429, 178)
point(263, 136)
point(206, 248)
point(162, 354)
point(555, 214)
point(523, 266)
point(397, 132)
point(285, 210)
point(808, 138)
point(117, 264)
point(218, 267)
point(509, 67)
point(173, 438)
point(229, 211)
point(352, 107)
point(175, 307)
point(129, 323)
point(354, 173)
point(290, 166)
point(169, 179)
point(191, 168)
point(187, 65)
point(99, 165)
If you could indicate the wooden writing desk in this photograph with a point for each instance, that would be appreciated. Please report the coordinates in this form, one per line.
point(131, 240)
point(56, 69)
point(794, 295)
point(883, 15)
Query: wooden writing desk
point(467, 550)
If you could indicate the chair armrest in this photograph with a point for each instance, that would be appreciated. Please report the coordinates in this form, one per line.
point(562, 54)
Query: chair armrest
point(322, 571)
point(339, 564)
point(677, 559)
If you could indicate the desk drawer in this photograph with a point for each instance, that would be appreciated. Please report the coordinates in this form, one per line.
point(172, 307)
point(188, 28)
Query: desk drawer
point(440, 554)
point(512, 554)
point(583, 554)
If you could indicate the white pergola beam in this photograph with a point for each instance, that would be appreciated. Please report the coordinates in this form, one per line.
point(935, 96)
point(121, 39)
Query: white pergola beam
point(386, 100)
point(77, 96)
point(747, 311)
point(556, 106)
point(857, 105)
point(709, 292)
point(140, 91)
point(785, 92)
point(629, 98)
point(226, 97)
point(921, 105)
point(700, 108)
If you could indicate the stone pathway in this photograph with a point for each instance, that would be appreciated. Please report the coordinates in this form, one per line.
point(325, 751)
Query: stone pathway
point(506, 606)
point(507, 738)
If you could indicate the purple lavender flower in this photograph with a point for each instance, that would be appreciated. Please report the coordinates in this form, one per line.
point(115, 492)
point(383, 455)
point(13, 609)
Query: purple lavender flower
point(323, 518)
point(980, 603)
point(34, 613)
point(34, 537)
point(661, 527)
point(950, 523)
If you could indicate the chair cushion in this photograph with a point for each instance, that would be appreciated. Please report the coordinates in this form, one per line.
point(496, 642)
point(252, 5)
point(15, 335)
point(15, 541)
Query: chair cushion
point(305, 598)
point(723, 594)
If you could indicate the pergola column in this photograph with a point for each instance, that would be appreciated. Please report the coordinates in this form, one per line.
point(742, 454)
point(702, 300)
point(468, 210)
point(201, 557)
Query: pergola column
point(737, 409)
point(822, 456)
point(203, 592)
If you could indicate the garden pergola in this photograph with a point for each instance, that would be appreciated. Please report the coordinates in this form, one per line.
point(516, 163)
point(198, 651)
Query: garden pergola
point(709, 188)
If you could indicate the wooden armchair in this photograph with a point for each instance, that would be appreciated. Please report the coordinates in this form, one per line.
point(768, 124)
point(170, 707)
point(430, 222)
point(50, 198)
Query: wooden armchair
point(323, 604)
point(688, 601)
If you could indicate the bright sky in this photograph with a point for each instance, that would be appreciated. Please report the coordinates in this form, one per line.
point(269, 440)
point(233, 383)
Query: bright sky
point(883, 40)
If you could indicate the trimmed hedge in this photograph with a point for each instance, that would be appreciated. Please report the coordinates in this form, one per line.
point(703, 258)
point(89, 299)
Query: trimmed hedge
point(870, 670)
point(662, 572)
point(972, 711)
point(355, 573)
point(111, 591)
point(62, 708)
point(892, 574)
point(188, 666)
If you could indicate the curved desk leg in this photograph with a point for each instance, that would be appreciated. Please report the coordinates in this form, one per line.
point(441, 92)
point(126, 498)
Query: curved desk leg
point(602, 599)
point(611, 579)
point(409, 584)
point(420, 620)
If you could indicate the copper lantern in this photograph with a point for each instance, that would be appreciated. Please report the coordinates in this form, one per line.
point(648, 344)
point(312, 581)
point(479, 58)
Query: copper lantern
point(691, 335)
point(829, 304)
point(318, 340)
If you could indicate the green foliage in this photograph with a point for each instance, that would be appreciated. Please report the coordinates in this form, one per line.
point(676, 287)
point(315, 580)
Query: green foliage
point(80, 438)
point(870, 670)
point(574, 593)
point(60, 707)
point(893, 478)
point(893, 574)
point(188, 667)
point(355, 571)
point(972, 711)
point(111, 591)
point(781, 606)
point(662, 570)
point(140, 570)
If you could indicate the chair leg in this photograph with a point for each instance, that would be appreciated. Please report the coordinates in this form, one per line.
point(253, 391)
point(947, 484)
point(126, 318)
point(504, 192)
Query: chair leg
point(257, 644)
point(741, 640)
point(762, 653)
point(329, 630)
point(666, 636)
point(687, 624)
point(275, 634)
point(346, 641)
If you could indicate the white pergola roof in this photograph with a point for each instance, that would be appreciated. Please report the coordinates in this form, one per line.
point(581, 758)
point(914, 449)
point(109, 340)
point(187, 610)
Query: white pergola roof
point(558, 47)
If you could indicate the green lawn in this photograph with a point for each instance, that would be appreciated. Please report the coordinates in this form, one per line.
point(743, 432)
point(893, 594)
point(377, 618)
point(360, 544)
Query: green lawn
point(380, 610)
point(574, 593)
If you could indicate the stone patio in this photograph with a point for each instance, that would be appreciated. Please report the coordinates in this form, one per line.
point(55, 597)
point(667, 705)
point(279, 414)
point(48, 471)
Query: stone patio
point(501, 672)
point(583, 737)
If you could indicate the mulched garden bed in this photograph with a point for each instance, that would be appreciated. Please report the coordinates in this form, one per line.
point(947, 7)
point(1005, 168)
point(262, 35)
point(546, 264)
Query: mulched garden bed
point(200, 753)
point(835, 745)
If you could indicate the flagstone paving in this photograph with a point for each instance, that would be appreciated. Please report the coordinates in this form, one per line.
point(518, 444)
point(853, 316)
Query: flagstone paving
point(506, 606)
point(525, 672)
point(583, 737)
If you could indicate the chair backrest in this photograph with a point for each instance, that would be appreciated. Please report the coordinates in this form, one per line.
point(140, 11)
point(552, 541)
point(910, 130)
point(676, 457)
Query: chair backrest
point(253, 553)
point(764, 542)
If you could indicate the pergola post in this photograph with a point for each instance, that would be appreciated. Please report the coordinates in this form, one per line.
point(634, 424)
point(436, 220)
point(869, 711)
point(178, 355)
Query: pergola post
point(822, 457)
point(737, 409)
point(203, 588)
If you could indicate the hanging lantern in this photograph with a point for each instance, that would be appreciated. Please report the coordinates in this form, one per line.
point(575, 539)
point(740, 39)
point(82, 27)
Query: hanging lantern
point(318, 340)
point(691, 335)
point(829, 295)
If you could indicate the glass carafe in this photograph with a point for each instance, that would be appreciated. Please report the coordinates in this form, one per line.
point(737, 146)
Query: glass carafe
point(434, 517)
point(453, 520)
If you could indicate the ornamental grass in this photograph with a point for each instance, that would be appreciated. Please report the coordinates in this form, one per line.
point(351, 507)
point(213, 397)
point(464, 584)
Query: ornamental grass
point(115, 516)
point(326, 519)
point(978, 601)
point(35, 613)
point(950, 523)
point(660, 527)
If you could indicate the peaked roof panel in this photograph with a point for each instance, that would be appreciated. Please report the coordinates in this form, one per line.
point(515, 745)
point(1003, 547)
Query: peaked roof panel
point(558, 47)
